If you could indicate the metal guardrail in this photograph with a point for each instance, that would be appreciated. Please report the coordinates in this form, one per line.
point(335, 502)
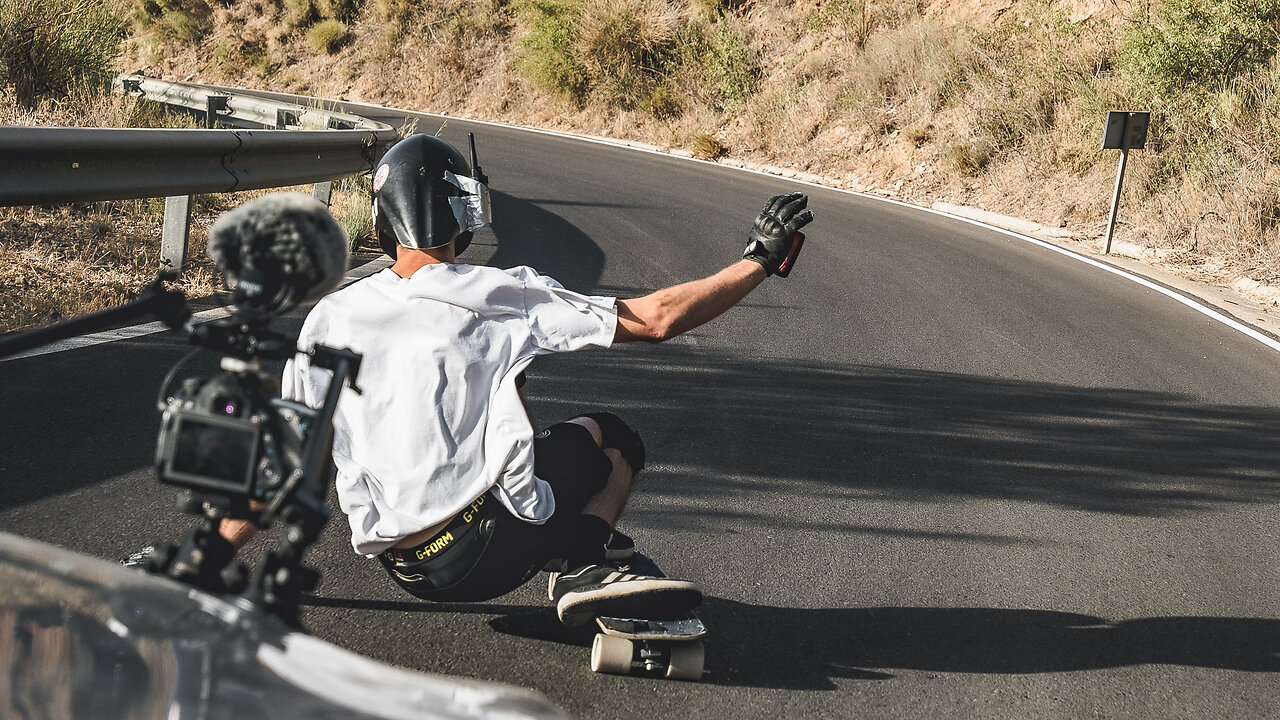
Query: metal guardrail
point(59, 165)
point(49, 165)
point(228, 104)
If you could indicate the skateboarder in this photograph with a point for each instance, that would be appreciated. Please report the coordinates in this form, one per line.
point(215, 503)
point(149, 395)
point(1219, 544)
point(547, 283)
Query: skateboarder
point(440, 472)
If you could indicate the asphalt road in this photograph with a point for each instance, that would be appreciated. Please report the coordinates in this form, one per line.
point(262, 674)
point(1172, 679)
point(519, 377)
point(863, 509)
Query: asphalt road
point(937, 472)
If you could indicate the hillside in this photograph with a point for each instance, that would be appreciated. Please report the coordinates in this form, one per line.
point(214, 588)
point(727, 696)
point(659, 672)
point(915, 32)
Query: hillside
point(997, 106)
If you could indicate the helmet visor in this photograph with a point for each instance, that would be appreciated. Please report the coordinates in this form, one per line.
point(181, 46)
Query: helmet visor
point(471, 209)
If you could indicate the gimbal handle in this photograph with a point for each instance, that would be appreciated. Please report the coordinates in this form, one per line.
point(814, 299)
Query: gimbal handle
point(170, 306)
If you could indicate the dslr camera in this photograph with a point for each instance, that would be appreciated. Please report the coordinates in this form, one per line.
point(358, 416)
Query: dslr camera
point(231, 436)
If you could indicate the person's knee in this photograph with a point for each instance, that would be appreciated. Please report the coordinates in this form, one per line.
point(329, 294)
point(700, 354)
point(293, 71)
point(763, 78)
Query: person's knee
point(592, 427)
point(616, 434)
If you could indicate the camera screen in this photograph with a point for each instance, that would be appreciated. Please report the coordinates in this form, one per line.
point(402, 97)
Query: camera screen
point(213, 453)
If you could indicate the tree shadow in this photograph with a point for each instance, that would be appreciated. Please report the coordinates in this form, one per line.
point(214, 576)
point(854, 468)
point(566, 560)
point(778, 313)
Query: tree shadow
point(733, 418)
point(735, 421)
point(761, 646)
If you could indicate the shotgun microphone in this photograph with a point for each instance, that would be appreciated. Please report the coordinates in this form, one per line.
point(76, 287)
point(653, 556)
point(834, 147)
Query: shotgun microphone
point(278, 251)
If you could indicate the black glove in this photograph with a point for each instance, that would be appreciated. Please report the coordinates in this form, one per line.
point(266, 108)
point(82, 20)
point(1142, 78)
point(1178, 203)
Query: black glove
point(775, 239)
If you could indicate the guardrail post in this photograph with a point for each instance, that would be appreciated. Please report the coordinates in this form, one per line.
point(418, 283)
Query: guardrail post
point(215, 105)
point(177, 229)
point(285, 118)
point(323, 191)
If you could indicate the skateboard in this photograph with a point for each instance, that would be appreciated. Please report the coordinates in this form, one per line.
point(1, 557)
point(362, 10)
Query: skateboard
point(672, 647)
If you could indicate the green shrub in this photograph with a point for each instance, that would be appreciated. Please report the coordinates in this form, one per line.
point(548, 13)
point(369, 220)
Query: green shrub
point(708, 147)
point(546, 54)
point(635, 54)
point(394, 16)
point(257, 57)
point(173, 20)
point(183, 26)
point(733, 68)
point(968, 158)
point(917, 134)
point(715, 8)
point(49, 46)
point(851, 19)
point(1202, 42)
point(626, 46)
point(303, 13)
point(327, 36)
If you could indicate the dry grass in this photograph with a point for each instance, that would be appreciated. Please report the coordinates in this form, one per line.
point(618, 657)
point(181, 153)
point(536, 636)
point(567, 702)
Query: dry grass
point(86, 107)
point(64, 261)
point(995, 105)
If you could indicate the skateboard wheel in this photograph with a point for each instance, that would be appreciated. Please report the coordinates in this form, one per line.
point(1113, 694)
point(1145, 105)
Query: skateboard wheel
point(611, 655)
point(686, 661)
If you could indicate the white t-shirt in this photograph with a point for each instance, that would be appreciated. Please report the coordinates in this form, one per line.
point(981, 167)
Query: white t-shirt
point(439, 421)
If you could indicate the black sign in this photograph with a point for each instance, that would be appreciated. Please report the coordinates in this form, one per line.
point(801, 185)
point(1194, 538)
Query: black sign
point(1125, 130)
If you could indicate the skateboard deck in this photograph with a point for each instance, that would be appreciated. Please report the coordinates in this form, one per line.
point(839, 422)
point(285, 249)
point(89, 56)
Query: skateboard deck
point(670, 647)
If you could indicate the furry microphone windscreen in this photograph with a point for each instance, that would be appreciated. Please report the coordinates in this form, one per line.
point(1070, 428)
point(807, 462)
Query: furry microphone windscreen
point(278, 251)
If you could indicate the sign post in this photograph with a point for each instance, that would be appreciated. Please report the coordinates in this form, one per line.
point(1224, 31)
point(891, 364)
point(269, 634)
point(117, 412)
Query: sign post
point(1124, 131)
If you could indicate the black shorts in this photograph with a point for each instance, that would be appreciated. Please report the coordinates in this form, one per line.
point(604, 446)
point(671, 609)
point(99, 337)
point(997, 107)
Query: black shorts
point(485, 551)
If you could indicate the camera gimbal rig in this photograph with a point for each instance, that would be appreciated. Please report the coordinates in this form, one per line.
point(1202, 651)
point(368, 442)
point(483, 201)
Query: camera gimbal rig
point(235, 448)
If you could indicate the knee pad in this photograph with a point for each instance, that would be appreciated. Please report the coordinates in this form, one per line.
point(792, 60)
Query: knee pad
point(618, 435)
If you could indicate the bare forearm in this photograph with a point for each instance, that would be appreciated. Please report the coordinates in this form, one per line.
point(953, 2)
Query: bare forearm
point(666, 313)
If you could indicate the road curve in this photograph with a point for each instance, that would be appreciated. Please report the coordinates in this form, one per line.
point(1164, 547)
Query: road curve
point(940, 471)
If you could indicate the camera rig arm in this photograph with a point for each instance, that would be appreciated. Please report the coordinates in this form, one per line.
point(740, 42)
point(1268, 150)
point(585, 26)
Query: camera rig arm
point(169, 306)
point(280, 578)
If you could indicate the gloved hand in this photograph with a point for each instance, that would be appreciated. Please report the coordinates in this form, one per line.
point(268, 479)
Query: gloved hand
point(775, 239)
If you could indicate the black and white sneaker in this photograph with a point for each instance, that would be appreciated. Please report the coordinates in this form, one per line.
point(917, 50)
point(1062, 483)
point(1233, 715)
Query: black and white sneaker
point(611, 590)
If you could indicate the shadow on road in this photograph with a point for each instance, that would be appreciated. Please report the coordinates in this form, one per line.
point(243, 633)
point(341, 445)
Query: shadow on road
point(529, 235)
point(870, 643)
point(786, 648)
point(71, 420)
point(833, 428)
point(913, 434)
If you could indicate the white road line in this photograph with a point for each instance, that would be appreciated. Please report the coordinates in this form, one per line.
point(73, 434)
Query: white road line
point(126, 333)
point(1200, 307)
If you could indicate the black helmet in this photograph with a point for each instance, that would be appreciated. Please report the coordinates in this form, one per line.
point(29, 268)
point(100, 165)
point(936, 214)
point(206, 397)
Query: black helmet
point(426, 194)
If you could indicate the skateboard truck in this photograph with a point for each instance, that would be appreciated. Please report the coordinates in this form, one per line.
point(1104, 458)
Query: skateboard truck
point(671, 647)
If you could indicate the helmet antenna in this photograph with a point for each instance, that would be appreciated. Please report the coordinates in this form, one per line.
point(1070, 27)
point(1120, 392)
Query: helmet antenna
point(476, 173)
